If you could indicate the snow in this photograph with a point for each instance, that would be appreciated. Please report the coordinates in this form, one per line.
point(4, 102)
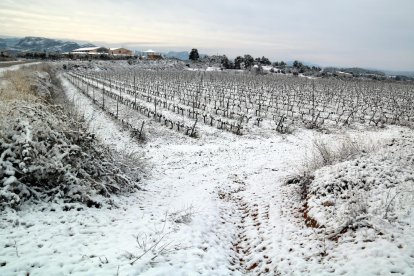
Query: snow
point(85, 49)
point(9, 62)
point(373, 193)
point(100, 124)
point(216, 205)
point(213, 68)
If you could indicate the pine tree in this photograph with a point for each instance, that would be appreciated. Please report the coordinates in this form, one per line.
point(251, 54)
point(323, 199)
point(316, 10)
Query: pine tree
point(297, 64)
point(265, 61)
point(225, 63)
point(248, 61)
point(238, 61)
point(194, 55)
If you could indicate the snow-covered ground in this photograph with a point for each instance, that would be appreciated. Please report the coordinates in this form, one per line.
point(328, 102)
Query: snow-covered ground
point(217, 205)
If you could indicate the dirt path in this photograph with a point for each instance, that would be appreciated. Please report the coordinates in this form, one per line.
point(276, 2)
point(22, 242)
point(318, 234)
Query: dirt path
point(255, 196)
point(232, 185)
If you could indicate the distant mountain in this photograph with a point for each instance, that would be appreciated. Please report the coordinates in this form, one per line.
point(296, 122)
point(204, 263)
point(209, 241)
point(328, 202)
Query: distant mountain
point(47, 44)
point(7, 42)
point(400, 73)
point(39, 44)
point(177, 55)
point(355, 71)
point(310, 64)
point(87, 45)
point(181, 55)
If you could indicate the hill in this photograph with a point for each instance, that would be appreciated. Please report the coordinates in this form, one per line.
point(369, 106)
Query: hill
point(39, 44)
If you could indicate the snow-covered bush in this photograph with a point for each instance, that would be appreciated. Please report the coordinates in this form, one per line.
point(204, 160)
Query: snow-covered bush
point(45, 157)
point(356, 183)
point(369, 191)
point(46, 153)
point(324, 154)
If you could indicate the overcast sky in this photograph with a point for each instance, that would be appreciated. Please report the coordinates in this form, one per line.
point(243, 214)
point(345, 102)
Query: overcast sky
point(366, 33)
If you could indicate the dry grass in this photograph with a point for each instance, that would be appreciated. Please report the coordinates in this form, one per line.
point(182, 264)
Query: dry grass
point(345, 148)
point(17, 86)
point(15, 89)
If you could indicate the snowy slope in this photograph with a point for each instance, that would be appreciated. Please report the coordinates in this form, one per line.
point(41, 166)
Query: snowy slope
point(40, 44)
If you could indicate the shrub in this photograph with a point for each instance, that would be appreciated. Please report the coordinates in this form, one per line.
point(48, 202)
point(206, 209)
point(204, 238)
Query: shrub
point(44, 157)
point(46, 153)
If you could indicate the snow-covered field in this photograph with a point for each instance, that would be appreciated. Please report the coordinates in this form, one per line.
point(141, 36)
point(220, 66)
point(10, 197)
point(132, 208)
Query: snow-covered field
point(220, 205)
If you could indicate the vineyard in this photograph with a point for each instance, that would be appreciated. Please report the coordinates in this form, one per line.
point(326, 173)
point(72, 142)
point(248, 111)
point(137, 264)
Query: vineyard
point(191, 102)
point(204, 172)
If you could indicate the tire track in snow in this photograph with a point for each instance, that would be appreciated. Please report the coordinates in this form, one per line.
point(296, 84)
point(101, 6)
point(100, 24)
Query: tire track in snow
point(252, 203)
point(251, 221)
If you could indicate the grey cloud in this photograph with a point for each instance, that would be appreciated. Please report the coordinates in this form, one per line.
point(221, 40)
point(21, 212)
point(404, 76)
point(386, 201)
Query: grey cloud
point(350, 33)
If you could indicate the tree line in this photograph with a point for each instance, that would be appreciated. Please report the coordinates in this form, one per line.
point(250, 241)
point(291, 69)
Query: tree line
point(247, 62)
